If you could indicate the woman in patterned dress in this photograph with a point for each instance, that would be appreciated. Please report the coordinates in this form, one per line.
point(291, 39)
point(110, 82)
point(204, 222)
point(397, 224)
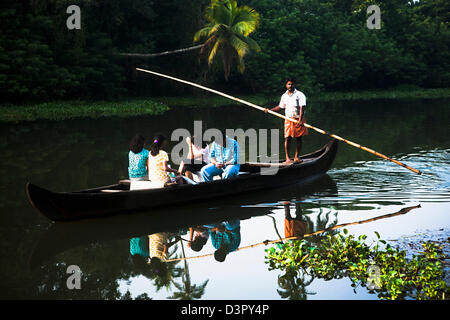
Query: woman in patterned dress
point(158, 168)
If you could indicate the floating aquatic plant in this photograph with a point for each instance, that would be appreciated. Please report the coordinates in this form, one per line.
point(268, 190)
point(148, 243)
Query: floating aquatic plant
point(381, 268)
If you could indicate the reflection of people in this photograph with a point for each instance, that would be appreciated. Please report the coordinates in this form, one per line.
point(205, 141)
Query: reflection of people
point(293, 227)
point(137, 159)
point(195, 154)
point(153, 249)
point(225, 238)
point(198, 237)
point(224, 158)
point(158, 247)
point(158, 168)
point(294, 102)
point(139, 247)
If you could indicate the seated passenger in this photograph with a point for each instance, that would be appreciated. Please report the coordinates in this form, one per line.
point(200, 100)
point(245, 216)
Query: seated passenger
point(224, 159)
point(198, 237)
point(158, 168)
point(159, 244)
point(225, 238)
point(195, 155)
point(137, 159)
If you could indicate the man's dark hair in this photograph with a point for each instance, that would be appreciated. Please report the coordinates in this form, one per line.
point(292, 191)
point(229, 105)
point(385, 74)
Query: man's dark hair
point(290, 79)
point(221, 253)
point(137, 143)
point(198, 243)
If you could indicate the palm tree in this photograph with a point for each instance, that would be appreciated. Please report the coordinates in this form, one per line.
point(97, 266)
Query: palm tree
point(173, 271)
point(187, 291)
point(228, 32)
point(293, 285)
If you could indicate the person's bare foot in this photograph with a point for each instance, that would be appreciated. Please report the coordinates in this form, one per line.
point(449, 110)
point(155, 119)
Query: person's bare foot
point(288, 161)
point(297, 160)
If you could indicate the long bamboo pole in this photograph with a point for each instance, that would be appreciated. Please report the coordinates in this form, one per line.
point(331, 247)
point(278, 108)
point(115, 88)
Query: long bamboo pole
point(283, 117)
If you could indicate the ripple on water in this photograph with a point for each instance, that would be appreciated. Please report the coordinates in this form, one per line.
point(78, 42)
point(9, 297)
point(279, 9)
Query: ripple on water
point(381, 180)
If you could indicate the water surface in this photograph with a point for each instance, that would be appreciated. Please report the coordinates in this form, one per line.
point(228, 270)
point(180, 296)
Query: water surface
point(84, 153)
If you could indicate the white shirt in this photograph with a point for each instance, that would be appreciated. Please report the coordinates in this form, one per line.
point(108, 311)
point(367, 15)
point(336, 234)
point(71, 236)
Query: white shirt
point(292, 103)
point(205, 155)
point(199, 153)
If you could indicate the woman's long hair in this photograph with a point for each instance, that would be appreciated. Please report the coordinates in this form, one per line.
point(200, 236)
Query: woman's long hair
point(137, 143)
point(156, 145)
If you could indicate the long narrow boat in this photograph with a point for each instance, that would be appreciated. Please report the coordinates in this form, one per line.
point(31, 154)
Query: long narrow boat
point(118, 198)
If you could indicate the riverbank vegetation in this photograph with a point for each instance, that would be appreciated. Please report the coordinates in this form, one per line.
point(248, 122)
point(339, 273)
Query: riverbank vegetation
point(63, 110)
point(381, 268)
point(326, 45)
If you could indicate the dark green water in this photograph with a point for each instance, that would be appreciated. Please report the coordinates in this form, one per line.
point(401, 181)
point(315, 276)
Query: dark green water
point(86, 153)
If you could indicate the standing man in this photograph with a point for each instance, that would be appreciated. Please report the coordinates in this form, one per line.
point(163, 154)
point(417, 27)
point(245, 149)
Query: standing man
point(294, 102)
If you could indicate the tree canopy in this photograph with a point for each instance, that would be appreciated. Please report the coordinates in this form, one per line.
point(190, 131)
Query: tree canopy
point(324, 44)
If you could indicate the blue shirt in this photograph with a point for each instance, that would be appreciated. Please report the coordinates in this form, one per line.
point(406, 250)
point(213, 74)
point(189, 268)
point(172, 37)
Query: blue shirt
point(137, 164)
point(139, 246)
point(232, 238)
point(231, 151)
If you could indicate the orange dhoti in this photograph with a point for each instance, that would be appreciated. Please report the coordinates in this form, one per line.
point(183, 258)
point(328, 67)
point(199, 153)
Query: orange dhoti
point(294, 228)
point(294, 129)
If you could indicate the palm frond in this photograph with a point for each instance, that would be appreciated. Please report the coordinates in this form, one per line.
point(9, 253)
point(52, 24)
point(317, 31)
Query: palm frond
point(218, 12)
point(220, 30)
point(202, 33)
point(213, 51)
point(241, 65)
point(245, 20)
point(240, 46)
point(208, 45)
point(252, 44)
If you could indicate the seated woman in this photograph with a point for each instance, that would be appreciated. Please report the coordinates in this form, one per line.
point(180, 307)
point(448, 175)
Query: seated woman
point(159, 244)
point(158, 168)
point(195, 155)
point(137, 159)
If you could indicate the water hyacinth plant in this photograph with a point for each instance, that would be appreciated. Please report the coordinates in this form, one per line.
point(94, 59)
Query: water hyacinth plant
point(381, 268)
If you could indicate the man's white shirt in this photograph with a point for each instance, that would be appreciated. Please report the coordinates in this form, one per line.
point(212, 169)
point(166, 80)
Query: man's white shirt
point(292, 103)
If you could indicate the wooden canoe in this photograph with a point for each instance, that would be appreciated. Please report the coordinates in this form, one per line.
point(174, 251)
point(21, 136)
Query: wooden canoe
point(90, 203)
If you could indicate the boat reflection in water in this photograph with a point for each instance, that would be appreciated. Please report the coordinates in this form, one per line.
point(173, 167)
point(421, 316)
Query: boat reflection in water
point(160, 244)
point(62, 236)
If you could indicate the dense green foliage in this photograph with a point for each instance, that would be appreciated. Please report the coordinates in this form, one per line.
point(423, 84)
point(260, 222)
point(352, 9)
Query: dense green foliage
point(80, 109)
point(323, 44)
point(396, 276)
